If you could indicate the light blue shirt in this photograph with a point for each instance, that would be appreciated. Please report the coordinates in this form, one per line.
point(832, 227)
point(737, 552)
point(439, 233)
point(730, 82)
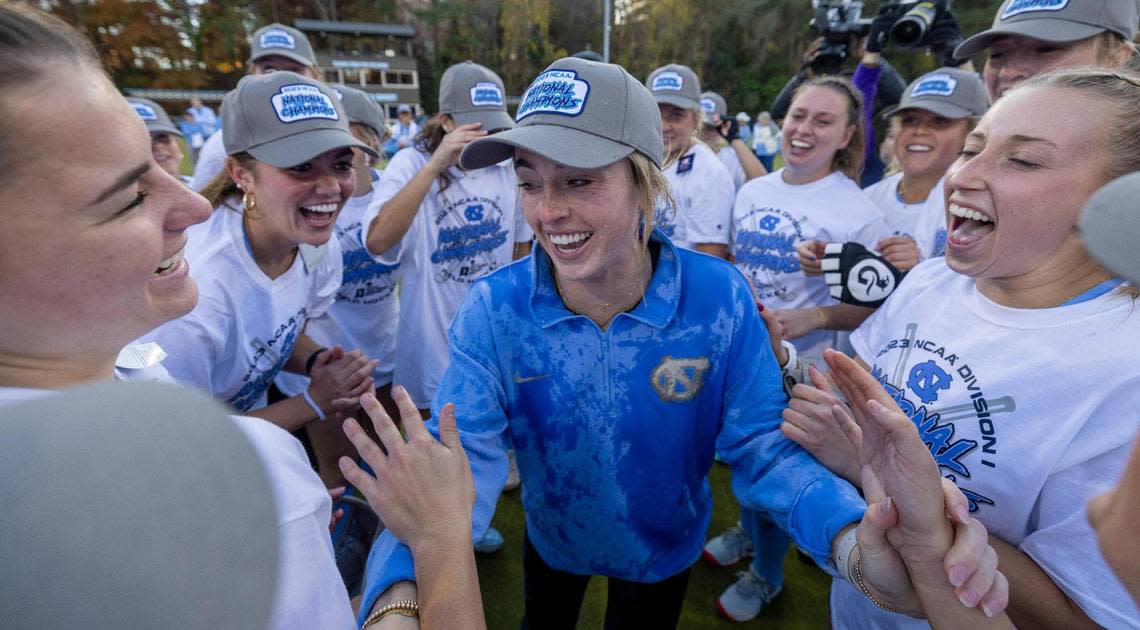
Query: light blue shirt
point(615, 430)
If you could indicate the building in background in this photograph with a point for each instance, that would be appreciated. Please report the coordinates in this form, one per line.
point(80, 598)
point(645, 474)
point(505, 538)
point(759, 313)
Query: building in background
point(377, 58)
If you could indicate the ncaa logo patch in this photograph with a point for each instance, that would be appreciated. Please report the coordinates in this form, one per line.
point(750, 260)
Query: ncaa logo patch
point(708, 105)
point(939, 84)
point(298, 102)
point(558, 92)
point(870, 280)
point(277, 38)
point(146, 112)
point(1017, 7)
point(668, 80)
point(486, 94)
point(679, 380)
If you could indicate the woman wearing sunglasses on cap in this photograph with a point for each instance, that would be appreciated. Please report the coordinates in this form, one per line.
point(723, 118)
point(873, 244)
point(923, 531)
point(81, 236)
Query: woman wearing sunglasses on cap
point(288, 174)
point(697, 213)
point(616, 364)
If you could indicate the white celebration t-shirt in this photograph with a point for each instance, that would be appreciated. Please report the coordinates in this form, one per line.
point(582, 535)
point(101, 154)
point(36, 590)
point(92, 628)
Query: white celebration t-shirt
point(211, 161)
point(1030, 411)
point(243, 329)
point(772, 217)
point(702, 192)
point(310, 592)
point(458, 236)
point(367, 306)
point(925, 221)
point(731, 162)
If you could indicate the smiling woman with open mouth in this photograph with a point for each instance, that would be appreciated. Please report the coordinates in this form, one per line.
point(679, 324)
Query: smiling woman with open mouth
point(288, 174)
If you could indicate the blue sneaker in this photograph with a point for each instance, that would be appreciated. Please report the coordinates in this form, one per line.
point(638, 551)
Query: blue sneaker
point(491, 541)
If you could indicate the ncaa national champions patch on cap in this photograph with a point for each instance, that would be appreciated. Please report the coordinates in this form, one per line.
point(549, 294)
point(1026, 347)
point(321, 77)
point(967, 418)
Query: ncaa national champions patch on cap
point(708, 105)
point(302, 102)
point(939, 84)
point(558, 92)
point(1025, 6)
point(276, 38)
point(146, 112)
point(486, 94)
point(668, 80)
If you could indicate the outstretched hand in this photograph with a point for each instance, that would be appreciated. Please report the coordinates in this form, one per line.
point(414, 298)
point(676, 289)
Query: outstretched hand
point(911, 508)
point(423, 489)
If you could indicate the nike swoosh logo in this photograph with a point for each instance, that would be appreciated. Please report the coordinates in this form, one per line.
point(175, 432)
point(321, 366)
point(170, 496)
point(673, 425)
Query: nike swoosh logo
point(526, 379)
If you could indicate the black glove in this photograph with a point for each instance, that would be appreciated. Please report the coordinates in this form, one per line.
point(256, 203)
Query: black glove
point(729, 129)
point(881, 28)
point(857, 276)
point(944, 36)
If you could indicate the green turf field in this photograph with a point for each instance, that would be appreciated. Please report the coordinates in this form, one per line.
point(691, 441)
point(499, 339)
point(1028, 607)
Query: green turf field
point(802, 604)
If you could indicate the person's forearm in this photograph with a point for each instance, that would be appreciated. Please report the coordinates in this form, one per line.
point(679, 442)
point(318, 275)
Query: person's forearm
point(844, 316)
point(753, 168)
point(1035, 601)
point(448, 584)
point(397, 214)
point(303, 348)
point(289, 414)
point(940, 603)
point(400, 591)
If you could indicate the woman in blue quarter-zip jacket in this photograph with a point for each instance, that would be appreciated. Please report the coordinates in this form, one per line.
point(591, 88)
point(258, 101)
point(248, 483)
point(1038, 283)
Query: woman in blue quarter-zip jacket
point(616, 365)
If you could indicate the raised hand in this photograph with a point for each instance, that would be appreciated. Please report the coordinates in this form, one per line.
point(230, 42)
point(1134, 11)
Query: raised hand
point(447, 153)
point(423, 490)
point(808, 421)
point(922, 516)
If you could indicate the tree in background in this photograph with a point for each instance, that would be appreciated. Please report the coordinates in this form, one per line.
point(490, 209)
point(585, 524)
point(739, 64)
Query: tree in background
point(744, 49)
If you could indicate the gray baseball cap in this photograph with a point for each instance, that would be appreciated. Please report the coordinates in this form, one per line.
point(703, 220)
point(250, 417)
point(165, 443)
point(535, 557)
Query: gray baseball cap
point(578, 113)
point(285, 119)
point(713, 103)
point(153, 115)
point(471, 93)
point(133, 505)
point(360, 108)
point(1058, 21)
point(676, 85)
point(286, 41)
point(948, 92)
point(1110, 226)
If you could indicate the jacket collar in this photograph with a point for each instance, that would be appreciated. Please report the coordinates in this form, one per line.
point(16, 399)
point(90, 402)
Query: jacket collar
point(656, 309)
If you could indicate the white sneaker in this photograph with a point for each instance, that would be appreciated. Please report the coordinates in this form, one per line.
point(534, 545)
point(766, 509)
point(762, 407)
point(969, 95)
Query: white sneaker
point(730, 547)
point(512, 472)
point(746, 598)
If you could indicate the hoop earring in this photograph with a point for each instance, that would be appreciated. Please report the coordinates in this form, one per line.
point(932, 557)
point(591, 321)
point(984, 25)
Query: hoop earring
point(249, 201)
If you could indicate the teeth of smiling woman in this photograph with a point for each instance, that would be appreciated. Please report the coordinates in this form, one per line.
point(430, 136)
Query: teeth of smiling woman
point(569, 239)
point(918, 148)
point(800, 144)
point(169, 263)
point(966, 213)
point(322, 208)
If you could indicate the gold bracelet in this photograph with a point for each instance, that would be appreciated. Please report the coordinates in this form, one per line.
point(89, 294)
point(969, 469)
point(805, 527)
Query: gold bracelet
point(866, 591)
point(402, 607)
